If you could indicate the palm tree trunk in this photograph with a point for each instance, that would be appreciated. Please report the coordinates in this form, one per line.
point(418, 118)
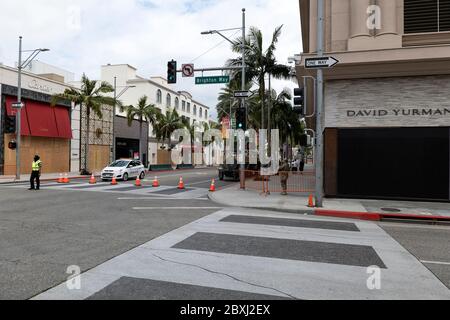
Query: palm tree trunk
point(86, 147)
point(140, 141)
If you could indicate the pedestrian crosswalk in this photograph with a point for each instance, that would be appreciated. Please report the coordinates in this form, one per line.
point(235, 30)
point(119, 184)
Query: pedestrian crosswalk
point(252, 254)
point(129, 188)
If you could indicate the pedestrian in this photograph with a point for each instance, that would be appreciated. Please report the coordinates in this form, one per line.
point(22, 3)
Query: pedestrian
point(284, 175)
point(302, 161)
point(35, 173)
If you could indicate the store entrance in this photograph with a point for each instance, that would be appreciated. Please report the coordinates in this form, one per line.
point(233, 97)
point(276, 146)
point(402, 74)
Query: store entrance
point(127, 148)
point(400, 163)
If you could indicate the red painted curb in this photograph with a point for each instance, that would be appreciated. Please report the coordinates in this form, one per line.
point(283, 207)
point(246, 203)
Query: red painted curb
point(348, 214)
point(372, 216)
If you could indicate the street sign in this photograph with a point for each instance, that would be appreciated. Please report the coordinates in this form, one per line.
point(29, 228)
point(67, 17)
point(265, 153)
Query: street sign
point(212, 80)
point(242, 94)
point(17, 105)
point(320, 62)
point(187, 70)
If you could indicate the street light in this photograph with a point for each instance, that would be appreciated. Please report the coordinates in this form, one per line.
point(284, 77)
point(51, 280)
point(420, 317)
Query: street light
point(20, 66)
point(116, 96)
point(242, 167)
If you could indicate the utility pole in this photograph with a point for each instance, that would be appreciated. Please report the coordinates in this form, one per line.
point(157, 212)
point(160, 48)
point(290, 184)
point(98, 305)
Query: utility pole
point(243, 105)
point(114, 122)
point(20, 66)
point(320, 105)
point(19, 100)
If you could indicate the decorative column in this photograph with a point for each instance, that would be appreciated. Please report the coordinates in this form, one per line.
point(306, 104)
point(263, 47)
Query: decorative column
point(387, 36)
point(359, 33)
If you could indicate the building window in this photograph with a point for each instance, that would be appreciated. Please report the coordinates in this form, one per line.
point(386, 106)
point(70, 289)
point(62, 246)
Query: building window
point(206, 114)
point(201, 112)
point(177, 103)
point(195, 110)
point(188, 108)
point(168, 100)
point(183, 105)
point(158, 96)
point(426, 16)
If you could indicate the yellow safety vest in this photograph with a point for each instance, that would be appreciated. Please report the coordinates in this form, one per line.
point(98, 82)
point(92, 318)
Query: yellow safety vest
point(36, 165)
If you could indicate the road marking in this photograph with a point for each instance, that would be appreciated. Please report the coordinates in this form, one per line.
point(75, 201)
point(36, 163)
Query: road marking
point(177, 208)
point(436, 262)
point(160, 198)
point(193, 184)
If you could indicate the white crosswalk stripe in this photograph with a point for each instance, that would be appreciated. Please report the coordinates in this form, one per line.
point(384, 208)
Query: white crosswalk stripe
point(176, 257)
point(191, 192)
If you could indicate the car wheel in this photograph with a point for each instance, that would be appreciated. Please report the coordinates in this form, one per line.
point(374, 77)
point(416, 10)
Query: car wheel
point(142, 175)
point(221, 176)
point(125, 176)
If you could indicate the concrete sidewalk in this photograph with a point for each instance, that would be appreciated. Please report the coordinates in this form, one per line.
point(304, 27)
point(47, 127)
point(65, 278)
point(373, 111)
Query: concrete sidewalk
point(346, 208)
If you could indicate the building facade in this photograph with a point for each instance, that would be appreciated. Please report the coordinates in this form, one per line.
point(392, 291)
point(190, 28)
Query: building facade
point(51, 132)
point(387, 103)
point(162, 96)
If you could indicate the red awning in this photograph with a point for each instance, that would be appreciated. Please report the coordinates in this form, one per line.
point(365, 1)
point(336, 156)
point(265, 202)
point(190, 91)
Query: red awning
point(63, 122)
point(42, 119)
point(10, 111)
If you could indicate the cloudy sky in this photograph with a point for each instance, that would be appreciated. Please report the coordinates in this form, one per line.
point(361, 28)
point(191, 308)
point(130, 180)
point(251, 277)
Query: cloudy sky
point(85, 34)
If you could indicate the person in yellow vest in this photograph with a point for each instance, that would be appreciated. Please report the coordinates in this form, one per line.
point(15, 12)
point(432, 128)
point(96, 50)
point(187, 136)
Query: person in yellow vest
point(35, 173)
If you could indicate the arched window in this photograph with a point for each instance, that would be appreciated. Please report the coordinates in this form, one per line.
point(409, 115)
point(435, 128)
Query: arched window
point(201, 112)
point(158, 96)
point(206, 114)
point(195, 110)
point(183, 105)
point(168, 100)
point(177, 103)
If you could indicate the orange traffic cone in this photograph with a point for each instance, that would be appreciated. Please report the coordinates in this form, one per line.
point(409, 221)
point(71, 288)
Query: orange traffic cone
point(181, 183)
point(213, 186)
point(311, 201)
point(138, 182)
point(114, 181)
point(66, 178)
point(60, 179)
point(92, 180)
point(156, 183)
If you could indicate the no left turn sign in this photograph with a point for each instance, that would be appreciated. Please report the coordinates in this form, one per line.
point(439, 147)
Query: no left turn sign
point(187, 70)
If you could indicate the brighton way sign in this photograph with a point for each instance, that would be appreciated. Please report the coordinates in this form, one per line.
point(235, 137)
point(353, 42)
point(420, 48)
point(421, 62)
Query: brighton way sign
point(212, 80)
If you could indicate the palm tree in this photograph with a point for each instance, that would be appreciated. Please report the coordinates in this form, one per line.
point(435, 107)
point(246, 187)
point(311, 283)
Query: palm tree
point(144, 112)
point(166, 125)
point(89, 96)
point(260, 62)
point(191, 129)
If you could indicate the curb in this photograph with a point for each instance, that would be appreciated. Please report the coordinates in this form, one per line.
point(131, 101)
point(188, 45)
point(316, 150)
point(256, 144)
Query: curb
point(48, 179)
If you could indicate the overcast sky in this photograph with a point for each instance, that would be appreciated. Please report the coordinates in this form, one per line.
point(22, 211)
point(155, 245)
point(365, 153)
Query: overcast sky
point(85, 34)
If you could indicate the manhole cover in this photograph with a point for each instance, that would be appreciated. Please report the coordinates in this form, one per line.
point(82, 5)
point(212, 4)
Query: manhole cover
point(391, 210)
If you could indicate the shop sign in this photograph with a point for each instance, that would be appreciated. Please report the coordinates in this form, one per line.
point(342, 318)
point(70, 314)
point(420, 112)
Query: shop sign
point(34, 84)
point(398, 112)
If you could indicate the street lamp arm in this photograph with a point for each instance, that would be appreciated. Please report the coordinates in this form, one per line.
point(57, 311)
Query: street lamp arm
point(31, 57)
point(220, 34)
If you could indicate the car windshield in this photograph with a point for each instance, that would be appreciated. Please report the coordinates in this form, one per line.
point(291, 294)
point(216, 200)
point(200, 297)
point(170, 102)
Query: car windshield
point(119, 163)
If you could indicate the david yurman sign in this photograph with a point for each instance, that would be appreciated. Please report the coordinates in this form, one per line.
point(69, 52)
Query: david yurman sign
point(399, 112)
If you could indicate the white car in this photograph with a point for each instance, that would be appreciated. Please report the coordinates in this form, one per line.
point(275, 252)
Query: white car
point(124, 169)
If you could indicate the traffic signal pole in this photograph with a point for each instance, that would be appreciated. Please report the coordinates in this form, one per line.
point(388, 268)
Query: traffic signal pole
point(18, 111)
point(319, 106)
point(243, 105)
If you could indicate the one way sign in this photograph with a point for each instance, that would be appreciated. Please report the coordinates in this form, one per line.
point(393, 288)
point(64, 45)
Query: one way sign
point(320, 62)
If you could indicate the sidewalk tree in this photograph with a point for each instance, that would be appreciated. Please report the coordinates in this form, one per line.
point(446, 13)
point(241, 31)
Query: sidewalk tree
point(91, 96)
point(166, 124)
point(144, 112)
point(260, 63)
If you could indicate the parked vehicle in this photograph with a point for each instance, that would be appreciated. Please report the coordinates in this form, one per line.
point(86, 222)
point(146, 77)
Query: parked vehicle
point(124, 169)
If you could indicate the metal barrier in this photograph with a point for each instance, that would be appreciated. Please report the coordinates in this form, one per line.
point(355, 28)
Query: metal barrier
point(297, 182)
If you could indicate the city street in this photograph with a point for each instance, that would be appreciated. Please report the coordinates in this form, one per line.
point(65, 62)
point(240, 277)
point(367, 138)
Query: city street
point(163, 243)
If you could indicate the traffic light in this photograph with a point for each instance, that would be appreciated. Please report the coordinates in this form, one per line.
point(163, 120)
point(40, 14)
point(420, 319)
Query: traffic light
point(241, 122)
point(299, 96)
point(172, 72)
point(10, 124)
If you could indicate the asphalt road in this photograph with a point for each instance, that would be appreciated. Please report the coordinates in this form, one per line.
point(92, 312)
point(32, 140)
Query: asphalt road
point(428, 243)
point(44, 232)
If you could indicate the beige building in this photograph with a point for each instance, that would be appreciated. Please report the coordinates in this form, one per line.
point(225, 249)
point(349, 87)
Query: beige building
point(387, 102)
